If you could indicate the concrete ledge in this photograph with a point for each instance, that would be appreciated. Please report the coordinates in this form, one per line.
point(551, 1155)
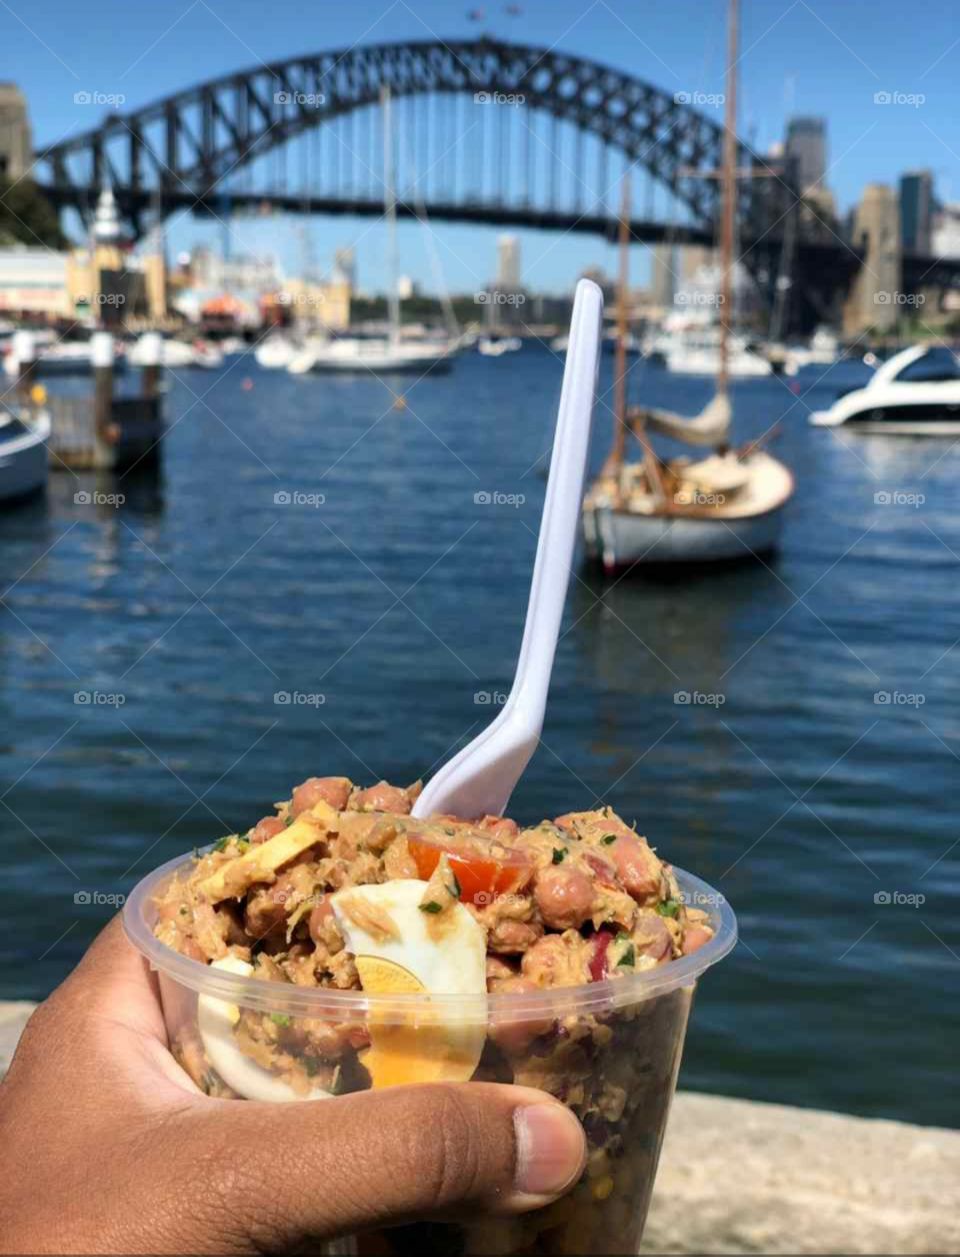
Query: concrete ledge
point(738, 1177)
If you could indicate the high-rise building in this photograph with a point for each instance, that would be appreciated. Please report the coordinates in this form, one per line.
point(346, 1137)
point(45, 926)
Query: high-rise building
point(916, 211)
point(663, 275)
point(345, 267)
point(15, 141)
point(508, 263)
point(806, 150)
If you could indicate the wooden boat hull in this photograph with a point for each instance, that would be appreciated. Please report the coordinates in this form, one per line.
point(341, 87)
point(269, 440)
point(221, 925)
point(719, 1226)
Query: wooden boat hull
point(619, 539)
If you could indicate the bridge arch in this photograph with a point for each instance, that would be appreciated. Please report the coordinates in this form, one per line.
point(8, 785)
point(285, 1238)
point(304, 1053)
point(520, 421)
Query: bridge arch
point(177, 151)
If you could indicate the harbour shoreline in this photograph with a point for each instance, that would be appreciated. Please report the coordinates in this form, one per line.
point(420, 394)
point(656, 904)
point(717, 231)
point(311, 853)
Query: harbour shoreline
point(742, 1177)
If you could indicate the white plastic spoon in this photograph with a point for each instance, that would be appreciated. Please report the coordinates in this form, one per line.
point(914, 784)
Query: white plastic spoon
point(479, 780)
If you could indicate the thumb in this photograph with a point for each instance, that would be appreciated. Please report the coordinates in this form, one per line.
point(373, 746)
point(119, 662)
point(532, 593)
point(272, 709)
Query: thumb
point(334, 1166)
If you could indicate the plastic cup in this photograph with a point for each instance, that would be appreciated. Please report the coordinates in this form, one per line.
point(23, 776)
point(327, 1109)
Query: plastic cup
point(609, 1050)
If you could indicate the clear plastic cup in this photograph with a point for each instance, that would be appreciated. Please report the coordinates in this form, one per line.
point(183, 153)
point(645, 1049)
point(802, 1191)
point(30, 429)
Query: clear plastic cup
point(609, 1050)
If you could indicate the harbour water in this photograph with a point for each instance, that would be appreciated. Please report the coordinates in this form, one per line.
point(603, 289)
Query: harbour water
point(321, 583)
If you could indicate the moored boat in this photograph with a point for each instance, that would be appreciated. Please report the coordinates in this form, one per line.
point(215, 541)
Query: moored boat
point(728, 505)
point(914, 393)
point(23, 455)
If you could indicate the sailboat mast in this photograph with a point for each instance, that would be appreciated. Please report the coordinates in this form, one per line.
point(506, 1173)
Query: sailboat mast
point(729, 196)
point(390, 208)
point(620, 359)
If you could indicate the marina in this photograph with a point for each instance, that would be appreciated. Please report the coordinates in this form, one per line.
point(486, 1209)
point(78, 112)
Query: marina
point(736, 691)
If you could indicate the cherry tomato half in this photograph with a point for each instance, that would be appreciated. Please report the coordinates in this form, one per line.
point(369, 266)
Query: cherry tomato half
point(482, 875)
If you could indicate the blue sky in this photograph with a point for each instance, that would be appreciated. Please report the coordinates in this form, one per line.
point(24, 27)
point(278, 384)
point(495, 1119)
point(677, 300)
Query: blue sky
point(797, 57)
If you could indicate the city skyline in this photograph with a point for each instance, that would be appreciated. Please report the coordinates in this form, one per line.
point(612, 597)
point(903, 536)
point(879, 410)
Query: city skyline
point(795, 61)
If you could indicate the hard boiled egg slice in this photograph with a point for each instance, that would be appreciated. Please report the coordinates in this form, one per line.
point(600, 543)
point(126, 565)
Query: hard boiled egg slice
point(401, 949)
point(216, 1020)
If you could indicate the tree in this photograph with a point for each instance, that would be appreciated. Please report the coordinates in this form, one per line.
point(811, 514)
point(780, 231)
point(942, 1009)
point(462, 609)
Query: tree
point(27, 217)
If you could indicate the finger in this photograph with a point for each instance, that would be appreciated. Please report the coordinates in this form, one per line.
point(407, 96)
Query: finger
point(114, 981)
point(332, 1167)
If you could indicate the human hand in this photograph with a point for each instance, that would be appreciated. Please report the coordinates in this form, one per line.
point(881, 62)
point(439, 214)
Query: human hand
point(110, 1148)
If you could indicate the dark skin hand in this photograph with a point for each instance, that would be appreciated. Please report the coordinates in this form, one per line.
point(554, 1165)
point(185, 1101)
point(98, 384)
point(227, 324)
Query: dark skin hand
point(108, 1147)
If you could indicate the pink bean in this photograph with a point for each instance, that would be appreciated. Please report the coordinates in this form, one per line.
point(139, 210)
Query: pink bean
point(563, 896)
point(332, 790)
point(637, 867)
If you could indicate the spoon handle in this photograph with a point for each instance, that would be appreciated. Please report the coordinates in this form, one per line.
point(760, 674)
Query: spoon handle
point(480, 778)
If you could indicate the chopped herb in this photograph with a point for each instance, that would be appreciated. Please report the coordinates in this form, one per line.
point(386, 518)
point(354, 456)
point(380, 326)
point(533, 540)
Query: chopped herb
point(669, 908)
point(623, 936)
point(184, 909)
point(559, 854)
point(455, 888)
point(289, 820)
point(280, 1019)
point(628, 957)
point(432, 907)
point(607, 839)
point(222, 844)
point(312, 1066)
point(449, 831)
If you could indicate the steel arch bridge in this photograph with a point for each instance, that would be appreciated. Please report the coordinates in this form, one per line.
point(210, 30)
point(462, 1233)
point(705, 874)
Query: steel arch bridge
point(485, 131)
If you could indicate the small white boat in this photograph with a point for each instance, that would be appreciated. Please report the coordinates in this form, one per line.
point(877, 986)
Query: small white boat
point(173, 353)
point(23, 455)
point(275, 352)
point(915, 393)
point(823, 351)
point(207, 354)
point(696, 351)
point(71, 357)
point(380, 355)
point(559, 344)
point(497, 346)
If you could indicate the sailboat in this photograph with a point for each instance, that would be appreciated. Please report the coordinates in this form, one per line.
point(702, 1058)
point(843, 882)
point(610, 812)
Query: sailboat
point(725, 506)
point(377, 353)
